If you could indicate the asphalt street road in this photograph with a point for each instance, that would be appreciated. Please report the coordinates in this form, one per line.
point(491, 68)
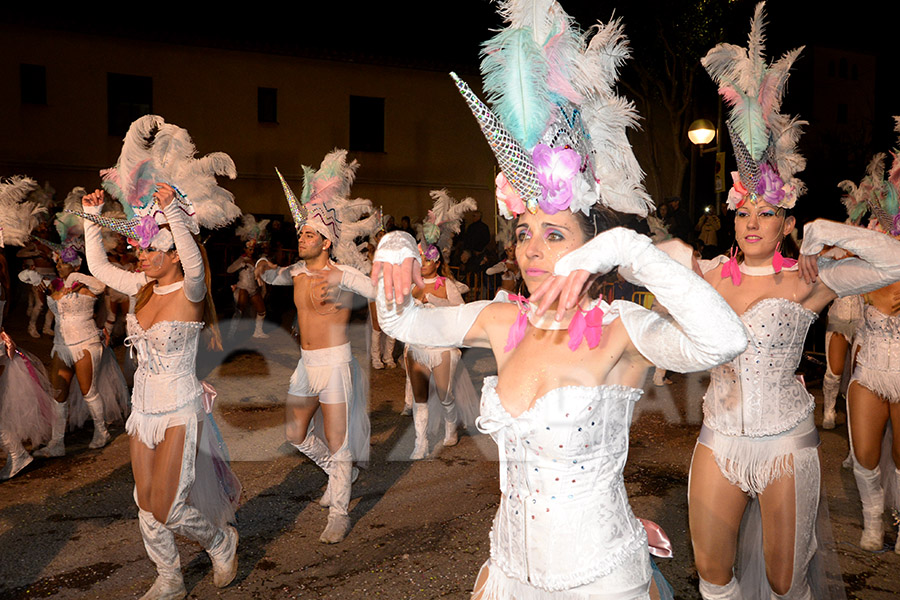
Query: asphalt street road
point(68, 526)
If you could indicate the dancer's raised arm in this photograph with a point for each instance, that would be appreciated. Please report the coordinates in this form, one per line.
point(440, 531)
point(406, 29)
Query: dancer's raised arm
point(707, 333)
point(127, 282)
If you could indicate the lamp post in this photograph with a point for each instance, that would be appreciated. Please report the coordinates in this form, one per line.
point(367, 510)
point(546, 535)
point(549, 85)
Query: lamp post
point(701, 132)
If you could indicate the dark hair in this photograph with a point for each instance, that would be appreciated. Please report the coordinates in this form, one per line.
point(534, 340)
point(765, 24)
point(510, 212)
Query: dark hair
point(599, 220)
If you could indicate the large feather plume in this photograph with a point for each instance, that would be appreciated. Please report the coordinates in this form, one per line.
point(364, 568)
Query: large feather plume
point(444, 220)
point(894, 176)
point(18, 216)
point(155, 151)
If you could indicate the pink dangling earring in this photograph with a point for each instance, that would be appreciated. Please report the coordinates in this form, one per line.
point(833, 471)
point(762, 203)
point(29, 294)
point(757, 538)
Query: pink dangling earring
point(731, 268)
point(777, 258)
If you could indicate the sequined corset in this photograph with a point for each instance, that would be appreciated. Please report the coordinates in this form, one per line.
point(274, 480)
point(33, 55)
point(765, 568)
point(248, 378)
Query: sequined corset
point(564, 517)
point(74, 314)
point(848, 308)
point(767, 398)
point(166, 377)
point(879, 341)
point(247, 279)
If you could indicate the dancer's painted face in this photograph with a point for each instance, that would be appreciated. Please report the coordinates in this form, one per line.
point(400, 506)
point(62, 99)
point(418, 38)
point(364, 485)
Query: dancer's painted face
point(311, 243)
point(156, 263)
point(759, 227)
point(541, 240)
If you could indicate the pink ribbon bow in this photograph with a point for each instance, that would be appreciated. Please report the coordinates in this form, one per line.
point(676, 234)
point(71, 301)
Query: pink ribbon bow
point(209, 396)
point(657, 539)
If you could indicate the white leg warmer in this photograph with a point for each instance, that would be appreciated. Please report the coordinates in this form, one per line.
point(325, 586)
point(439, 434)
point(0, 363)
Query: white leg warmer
point(258, 330)
point(95, 406)
point(57, 444)
point(339, 483)
point(871, 493)
point(420, 422)
point(375, 350)
point(48, 322)
point(729, 591)
point(388, 355)
point(17, 458)
point(830, 387)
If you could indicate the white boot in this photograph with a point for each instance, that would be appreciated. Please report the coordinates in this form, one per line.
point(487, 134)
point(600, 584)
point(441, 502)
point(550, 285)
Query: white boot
point(17, 458)
point(315, 450)
point(389, 352)
point(57, 445)
point(871, 493)
point(420, 422)
point(729, 591)
point(451, 437)
point(258, 331)
point(325, 500)
point(233, 325)
point(659, 377)
point(375, 350)
point(339, 482)
point(220, 544)
point(159, 541)
point(407, 399)
point(48, 323)
point(33, 315)
point(830, 387)
point(95, 407)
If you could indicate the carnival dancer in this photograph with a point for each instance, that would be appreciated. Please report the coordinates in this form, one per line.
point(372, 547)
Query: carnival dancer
point(78, 350)
point(508, 268)
point(381, 347)
point(119, 252)
point(182, 480)
point(453, 398)
point(757, 451)
point(25, 401)
point(873, 404)
point(326, 414)
point(248, 290)
point(562, 401)
point(37, 256)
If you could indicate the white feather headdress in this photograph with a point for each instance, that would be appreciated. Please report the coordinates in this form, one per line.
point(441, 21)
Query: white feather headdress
point(557, 127)
point(18, 216)
point(444, 220)
point(251, 229)
point(764, 140)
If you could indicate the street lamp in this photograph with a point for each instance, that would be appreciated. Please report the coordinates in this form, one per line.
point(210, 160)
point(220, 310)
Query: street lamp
point(701, 132)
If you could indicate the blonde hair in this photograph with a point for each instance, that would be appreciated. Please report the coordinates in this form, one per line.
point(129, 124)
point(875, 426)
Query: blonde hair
point(211, 328)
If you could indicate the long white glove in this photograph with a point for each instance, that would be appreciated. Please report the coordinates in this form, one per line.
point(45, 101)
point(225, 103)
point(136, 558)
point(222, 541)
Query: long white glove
point(425, 326)
point(357, 282)
point(94, 285)
point(279, 275)
point(188, 252)
point(876, 264)
point(127, 282)
point(708, 333)
point(31, 277)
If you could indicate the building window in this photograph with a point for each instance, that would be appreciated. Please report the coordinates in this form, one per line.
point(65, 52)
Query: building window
point(842, 113)
point(267, 105)
point(128, 97)
point(366, 124)
point(33, 83)
point(842, 68)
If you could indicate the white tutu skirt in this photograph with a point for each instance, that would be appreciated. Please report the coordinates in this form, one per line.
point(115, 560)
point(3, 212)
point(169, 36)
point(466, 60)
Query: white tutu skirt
point(26, 409)
point(462, 391)
point(108, 381)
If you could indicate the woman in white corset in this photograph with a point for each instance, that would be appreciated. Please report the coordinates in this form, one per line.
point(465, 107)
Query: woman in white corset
point(82, 367)
point(172, 436)
point(757, 451)
point(560, 406)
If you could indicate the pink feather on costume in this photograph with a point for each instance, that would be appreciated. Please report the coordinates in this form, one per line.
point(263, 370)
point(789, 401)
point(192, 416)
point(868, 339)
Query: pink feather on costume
point(516, 332)
point(557, 79)
point(577, 327)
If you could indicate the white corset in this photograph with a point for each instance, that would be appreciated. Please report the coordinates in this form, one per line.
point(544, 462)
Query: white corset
point(879, 340)
point(247, 279)
point(74, 314)
point(767, 398)
point(166, 377)
point(564, 518)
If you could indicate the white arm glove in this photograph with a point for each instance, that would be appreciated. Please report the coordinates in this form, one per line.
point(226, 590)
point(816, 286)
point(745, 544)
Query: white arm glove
point(115, 277)
point(30, 276)
point(236, 265)
point(93, 284)
point(708, 333)
point(500, 267)
point(877, 261)
point(188, 252)
point(279, 275)
point(356, 282)
point(442, 327)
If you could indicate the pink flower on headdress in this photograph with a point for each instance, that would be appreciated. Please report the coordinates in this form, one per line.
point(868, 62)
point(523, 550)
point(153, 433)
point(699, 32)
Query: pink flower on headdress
point(508, 196)
point(146, 230)
point(895, 226)
point(770, 185)
point(556, 170)
point(738, 193)
point(431, 252)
